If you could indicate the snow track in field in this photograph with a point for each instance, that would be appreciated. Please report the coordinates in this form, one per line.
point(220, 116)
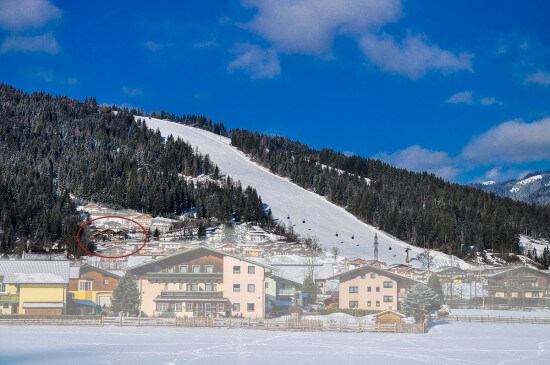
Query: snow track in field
point(286, 199)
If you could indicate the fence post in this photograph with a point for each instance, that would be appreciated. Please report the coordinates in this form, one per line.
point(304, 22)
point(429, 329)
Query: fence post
point(139, 321)
point(120, 321)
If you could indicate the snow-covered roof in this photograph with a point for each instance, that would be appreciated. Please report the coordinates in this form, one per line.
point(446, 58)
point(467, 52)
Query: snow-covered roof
point(74, 272)
point(35, 272)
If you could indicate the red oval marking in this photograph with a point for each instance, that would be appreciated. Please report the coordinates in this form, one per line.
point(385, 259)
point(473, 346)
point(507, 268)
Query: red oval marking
point(110, 257)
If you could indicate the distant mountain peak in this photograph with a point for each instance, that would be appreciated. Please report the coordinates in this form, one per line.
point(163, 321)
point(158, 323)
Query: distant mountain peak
point(532, 188)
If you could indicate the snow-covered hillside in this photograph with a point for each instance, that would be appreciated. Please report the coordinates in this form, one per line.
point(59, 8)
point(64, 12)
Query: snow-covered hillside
point(286, 199)
point(533, 188)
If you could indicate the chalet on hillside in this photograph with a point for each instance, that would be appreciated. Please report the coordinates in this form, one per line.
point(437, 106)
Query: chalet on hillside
point(520, 286)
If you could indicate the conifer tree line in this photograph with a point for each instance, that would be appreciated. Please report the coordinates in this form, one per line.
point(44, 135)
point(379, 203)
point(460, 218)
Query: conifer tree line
point(420, 208)
point(55, 148)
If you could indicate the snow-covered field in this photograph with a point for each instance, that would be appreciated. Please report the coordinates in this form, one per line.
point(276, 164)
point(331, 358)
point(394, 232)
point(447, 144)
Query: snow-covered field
point(456, 343)
point(286, 199)
point(501, 313)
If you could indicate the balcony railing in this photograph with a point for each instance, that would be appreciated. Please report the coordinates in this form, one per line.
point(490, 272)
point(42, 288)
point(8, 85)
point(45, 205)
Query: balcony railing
point(203, 277)
point(192, 294)
point(9, 298)
point(286, 291)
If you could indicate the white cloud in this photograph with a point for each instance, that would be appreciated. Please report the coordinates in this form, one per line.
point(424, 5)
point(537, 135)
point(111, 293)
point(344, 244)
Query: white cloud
point(132, 91)
point(417, 158)
point(72, 81)
point(489, 101)
point(498, 173)
point(464, 97)
point(413, 57)
point(309, 26)
point(258, 62)
point(513, 141)
point(467, 97)
point(539, 77)
point(40, 43)
point(18, 15)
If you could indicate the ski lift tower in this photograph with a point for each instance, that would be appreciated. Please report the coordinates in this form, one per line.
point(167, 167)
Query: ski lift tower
point(376, 247)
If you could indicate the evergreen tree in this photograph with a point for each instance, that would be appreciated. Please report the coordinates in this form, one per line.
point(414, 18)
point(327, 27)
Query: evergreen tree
point(418, 301)
point(310, 288)
point(435, 285)
point(126, 298)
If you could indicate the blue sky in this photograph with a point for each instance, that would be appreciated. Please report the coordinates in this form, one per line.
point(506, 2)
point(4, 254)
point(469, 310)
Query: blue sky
point(461, 89)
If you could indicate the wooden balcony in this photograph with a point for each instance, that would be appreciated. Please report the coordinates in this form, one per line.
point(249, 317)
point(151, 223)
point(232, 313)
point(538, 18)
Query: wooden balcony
point(185, 277)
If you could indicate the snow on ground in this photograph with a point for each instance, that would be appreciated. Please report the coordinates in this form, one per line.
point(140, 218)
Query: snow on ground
point(446, 343)
point(500, 313)
point(322, 218)
point(538, 244)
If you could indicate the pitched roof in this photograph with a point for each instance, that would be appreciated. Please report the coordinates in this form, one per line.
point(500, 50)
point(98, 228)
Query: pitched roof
point(34, 271)
point(516, 268)
point(182, 253)
point(389, 311)
point(377, 270)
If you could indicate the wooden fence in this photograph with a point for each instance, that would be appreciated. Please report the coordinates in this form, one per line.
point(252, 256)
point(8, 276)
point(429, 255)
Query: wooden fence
point(294, 324)
point(497, 319)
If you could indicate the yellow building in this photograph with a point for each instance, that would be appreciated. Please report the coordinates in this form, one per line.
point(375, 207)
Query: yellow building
point(372, 288)
point(33, 286)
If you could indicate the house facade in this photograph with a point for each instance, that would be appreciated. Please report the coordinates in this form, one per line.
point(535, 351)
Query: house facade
point(92, 284)
point(520, 286)
point(371, 288)
point(202, 282)
point(34, 287)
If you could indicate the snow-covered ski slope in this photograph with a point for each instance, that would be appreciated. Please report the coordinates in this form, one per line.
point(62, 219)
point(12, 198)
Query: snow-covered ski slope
point(286, 199)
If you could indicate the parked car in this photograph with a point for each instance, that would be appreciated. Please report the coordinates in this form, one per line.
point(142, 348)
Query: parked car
point(277, 314)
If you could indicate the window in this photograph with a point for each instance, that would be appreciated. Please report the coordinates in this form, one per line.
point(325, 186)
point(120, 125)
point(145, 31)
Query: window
point(162, 307)
point(168, 307)
point(171, 269)
point(180, 286)
point(354, 289)
point(252, 269)
point(236, 269)
point(267, 284)
point(85, 286)
point(250, 307)
point(353, 304)
point(372, 275)
point(188, 307)
point(535, 294)
point(369, 304)
point(251, 288)
point(105, 281)
point(183, 268)
point(210, 287)
point(236, 307)
point(363, 276)
point(192, 287)
point(378, 303)
point(209, 268)
point(221, 307)
point(369, 289)
point(283, 285)
point(378, 289)
point(388, 284)
point(196, 268)
point(3, 288)
point(388, 298)
point(236, 288)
